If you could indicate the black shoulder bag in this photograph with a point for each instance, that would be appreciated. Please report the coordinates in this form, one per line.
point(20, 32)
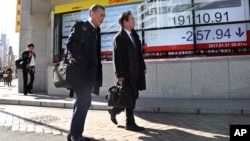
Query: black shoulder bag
point(60, 75)
point(19, 63)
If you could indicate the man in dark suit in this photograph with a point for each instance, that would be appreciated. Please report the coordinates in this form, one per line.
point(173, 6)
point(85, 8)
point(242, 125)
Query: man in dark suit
point(28, 57)
point(86, 72)
point(130, 68)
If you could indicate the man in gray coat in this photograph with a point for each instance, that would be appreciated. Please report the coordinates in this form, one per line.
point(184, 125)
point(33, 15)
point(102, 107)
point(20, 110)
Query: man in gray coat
point(86, 68)
point(130, 68)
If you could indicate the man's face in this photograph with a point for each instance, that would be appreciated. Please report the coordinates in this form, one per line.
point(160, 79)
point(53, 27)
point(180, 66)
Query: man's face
point(129, 25)
point(30, 49)
point(97, 17)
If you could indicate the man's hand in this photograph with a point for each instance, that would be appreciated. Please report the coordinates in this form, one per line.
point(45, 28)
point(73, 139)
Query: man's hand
point(30, 54)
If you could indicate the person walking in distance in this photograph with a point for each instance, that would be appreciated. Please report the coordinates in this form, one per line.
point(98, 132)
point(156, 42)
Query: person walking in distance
point(28, 57)
point(129, 65)
point(84, 48)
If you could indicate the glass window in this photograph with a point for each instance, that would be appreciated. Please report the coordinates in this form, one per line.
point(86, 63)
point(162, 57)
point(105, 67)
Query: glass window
point(57, 39)
point(172, 28)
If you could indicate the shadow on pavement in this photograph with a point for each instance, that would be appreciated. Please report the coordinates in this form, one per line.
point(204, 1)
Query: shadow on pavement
point(177, 135)
point(213, 124)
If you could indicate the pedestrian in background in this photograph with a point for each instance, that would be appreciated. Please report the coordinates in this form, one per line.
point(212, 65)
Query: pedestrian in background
point(129, 65)
point(28, 57)
point(86, 72)
point(8, 76)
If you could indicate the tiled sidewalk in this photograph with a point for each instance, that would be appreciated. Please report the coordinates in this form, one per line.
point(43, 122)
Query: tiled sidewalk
point(159, 126)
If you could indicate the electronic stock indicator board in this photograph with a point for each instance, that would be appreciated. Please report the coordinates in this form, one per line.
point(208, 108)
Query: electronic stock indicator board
point(170, 28)
point(187, 27)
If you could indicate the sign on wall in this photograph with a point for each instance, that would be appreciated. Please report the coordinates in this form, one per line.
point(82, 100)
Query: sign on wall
point(18, 15)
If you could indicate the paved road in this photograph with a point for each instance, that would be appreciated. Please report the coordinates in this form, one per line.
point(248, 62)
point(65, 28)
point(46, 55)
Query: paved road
point(29, 122)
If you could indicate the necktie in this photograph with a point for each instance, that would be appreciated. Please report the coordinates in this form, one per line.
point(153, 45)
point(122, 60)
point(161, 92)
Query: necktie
point(132, 39)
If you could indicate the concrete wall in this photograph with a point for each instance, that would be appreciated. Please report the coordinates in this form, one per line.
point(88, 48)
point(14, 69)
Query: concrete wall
point(190, 78)
point(34, 29)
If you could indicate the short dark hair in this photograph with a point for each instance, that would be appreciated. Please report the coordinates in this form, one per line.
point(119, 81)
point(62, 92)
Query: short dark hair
point(31, 45)
point(94, 7)
point(124, 17)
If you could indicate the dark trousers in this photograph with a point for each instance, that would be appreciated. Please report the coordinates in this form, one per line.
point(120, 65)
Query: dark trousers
point(81, 106)
point(31, 72)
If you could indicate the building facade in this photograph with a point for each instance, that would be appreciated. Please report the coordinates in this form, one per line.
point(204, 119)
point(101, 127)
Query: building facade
point(3, 51)
point(194, 49)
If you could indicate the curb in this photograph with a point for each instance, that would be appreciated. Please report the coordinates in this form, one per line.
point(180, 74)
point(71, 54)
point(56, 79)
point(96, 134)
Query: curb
point(104, 106)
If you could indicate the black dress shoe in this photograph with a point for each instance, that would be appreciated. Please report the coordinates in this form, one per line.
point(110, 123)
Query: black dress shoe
point(134, 127)
point(72, 138)
point(68, 138)
point(112, 117)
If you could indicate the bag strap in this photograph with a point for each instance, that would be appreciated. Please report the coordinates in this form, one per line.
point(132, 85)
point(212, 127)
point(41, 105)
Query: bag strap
point(67, 54)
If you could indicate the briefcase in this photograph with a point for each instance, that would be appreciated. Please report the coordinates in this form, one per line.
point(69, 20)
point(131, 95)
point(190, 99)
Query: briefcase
point(120, 95)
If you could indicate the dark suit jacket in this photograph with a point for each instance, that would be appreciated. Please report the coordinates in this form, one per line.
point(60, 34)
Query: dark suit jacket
point(26, 59)
point(128, 60)
point(85, 48)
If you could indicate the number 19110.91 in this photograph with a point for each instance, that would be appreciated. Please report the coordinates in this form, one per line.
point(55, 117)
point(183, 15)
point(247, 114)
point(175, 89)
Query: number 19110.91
point(217, 17)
